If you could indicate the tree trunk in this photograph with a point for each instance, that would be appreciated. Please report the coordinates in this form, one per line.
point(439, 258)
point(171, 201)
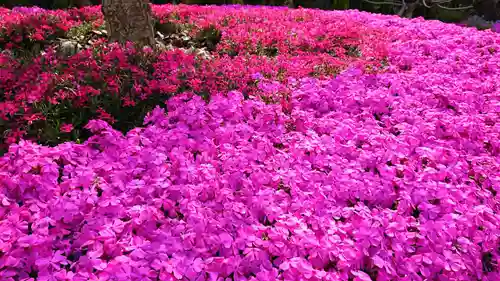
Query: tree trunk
point(129, 20)
point(409, 11)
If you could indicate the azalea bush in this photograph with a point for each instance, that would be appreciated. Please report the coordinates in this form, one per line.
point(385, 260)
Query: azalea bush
point(49, 97)
point(23, 28)
point(377, 165)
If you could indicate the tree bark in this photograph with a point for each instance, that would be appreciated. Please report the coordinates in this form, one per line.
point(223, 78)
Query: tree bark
point(129, 20)
point(410, 9)
point(407, 9)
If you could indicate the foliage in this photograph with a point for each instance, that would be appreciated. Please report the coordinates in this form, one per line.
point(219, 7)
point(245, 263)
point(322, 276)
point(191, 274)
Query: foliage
point(295, 151)
point(23, 28)
point(50, 90)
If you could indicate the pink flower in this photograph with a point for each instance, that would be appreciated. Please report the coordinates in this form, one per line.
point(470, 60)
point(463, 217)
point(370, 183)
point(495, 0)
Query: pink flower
point(66, 128)
point(361, 276)
point(365, 150)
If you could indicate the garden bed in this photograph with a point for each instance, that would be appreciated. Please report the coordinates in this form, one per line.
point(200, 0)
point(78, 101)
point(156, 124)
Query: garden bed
point(308, 145)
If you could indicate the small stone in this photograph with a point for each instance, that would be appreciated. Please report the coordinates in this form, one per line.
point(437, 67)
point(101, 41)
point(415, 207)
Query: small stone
point(160, 35)
point(160, 45)
point(68, 48)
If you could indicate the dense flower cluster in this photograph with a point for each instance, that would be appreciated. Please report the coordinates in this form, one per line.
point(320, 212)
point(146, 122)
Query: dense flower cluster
point(40, 95)
point(365, 176)
point(27, 26)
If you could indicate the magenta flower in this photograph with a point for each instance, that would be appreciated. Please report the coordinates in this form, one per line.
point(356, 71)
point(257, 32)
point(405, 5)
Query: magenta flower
point(496, 27)
point(366, 151)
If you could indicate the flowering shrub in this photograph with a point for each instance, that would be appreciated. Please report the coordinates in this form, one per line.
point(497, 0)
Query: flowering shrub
point(245, 30)
point(22, 28)
point(363, 176)
point(120, 84)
